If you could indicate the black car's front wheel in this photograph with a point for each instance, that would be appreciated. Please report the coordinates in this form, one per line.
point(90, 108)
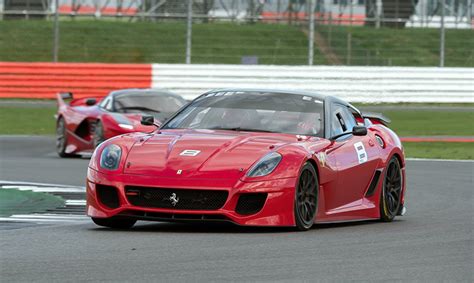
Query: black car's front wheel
point(116, 223)
point(306, 198)
point(390, 198)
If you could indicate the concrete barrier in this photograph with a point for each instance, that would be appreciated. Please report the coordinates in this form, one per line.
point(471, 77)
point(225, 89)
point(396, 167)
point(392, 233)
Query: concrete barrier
point(355, 84)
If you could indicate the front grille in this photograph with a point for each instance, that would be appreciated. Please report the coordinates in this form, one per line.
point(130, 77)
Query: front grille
point(250, 203)
point(108, 196)
point(176, 198)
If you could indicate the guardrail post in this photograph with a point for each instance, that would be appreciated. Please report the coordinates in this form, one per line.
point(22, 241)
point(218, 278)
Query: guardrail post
point(442, 35)
point(56, 31)
point(189, 31)
point(311, 33)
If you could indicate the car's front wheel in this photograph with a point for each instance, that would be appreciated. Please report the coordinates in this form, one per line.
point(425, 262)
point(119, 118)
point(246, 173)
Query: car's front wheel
point(306, 198)
point(61, 138)
point(98, 134)
point(390, 198)
point(116, 223)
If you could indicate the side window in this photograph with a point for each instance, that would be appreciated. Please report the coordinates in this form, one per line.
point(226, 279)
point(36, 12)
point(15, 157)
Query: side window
point(106, 104)
point(336, 119)
point(349, 119)
point(342, 120)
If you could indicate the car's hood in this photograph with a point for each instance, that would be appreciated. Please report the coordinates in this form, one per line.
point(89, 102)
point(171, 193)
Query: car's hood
point(201, 154)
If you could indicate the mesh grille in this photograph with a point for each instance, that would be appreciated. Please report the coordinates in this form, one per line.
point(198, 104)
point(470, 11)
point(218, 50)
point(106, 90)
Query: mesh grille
point(176, 198)
point(250, 203)
point(108, 196)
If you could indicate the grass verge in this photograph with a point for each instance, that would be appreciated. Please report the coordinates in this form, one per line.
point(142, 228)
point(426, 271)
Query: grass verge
point(226, 43)
point(26, 120)
point(23, 202)
point(440, 150)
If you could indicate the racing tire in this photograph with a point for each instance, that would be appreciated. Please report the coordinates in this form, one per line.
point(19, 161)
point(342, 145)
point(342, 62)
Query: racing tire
point(390, 197)
point(115, 223)
point(61, 139)
point(306, 198)
point(98, 137)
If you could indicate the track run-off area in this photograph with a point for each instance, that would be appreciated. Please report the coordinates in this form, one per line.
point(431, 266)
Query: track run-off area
point(432, 242)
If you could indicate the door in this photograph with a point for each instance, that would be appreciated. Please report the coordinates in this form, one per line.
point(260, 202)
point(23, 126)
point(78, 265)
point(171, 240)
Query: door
point(356, 160)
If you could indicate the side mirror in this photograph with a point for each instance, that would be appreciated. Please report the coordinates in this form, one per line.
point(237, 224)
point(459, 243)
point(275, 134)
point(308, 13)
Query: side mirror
point(359, 131)
point(91, 101)
point(148, 121)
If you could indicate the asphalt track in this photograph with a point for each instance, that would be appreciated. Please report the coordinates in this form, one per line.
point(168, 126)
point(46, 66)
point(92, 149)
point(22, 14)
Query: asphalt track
point(433, 242)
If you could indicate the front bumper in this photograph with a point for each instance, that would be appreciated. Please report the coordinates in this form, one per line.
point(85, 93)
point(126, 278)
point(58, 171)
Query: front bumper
point(276, 211)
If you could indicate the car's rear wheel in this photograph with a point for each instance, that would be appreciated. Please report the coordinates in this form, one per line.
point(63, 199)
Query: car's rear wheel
point(98, 134)
point(390, 198)
point(116, 223)
point(306, 198)
point(61, 138)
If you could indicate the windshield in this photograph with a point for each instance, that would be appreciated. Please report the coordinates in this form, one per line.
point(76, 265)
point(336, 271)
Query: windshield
point(160, 105)
point(253, 111)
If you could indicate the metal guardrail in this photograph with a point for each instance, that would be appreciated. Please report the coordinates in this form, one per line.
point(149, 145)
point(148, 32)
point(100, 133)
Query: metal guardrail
point(356, 84)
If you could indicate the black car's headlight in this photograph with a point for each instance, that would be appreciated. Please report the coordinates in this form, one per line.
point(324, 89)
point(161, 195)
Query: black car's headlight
point(110, 157)
point(265, 166)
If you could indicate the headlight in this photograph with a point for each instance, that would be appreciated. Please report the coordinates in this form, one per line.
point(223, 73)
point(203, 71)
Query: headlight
point(266, 165)
point(110, 157)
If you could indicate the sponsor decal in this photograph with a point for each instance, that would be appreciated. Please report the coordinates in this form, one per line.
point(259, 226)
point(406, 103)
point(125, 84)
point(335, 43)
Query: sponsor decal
point(190, 152)
point(360, 151)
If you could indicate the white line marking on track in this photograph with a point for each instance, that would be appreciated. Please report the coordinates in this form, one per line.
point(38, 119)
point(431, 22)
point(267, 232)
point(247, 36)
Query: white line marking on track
point(80, 202)
point(41, 187)
point(45, 218)
point(440, 160)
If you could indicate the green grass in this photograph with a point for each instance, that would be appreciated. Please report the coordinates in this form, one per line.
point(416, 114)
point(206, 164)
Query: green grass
point(27, 120)
point(439, 150)
point(431, 123)
point(39, 121)
point(164, 42)
point(161, 42)
point(14, 201)
point(401, 47)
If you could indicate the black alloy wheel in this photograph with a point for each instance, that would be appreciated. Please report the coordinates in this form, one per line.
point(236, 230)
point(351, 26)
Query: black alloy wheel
point(306, 198)
point(61, 138)
point(390, 199)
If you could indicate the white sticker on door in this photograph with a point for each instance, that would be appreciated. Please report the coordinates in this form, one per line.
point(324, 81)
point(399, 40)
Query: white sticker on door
point(360, 150)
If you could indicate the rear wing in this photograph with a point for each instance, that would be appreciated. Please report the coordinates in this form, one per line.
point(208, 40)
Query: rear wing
point(62, 96)
point(376, 118)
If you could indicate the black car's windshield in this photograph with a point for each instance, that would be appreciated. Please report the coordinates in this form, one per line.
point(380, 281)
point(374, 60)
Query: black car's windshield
point(157, 104)
point(253, 111)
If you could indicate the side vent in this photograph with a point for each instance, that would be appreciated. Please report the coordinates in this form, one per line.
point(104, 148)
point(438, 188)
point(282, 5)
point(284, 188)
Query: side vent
point(373, 184)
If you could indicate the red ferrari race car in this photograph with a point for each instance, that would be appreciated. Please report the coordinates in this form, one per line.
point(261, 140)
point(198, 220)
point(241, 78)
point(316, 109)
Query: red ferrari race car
point(84, 123)
point(251, 157)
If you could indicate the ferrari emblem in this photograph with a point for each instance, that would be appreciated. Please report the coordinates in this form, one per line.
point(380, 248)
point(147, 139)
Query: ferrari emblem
point(174, 199)
point(322, 158)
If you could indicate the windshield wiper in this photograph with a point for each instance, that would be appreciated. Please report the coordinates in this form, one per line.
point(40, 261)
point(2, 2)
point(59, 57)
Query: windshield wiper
point(239, 129)
point(139, 108)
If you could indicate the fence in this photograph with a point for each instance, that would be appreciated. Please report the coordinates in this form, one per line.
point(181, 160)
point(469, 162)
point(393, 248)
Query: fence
point(356, 84)
point(346, 32)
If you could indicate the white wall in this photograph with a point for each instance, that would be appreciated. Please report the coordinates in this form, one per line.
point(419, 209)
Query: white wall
point(355, 84)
